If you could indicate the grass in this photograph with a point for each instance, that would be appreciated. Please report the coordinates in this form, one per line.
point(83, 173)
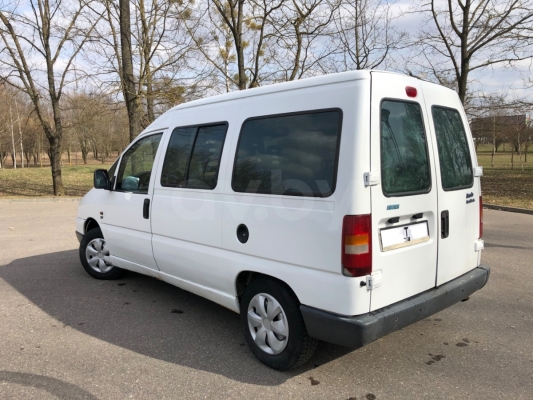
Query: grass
point(37, 182)
point(500, 184)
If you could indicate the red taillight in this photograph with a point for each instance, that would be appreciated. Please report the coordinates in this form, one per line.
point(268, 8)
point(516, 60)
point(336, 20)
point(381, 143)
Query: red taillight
point(357, 245)
point(480, 217)
point(410, 91)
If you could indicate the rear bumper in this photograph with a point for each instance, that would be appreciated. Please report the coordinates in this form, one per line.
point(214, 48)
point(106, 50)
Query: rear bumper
point(363, 329)
point(79, 236)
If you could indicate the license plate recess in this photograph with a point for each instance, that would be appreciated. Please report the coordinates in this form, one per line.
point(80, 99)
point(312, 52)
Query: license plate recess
point(403, 235)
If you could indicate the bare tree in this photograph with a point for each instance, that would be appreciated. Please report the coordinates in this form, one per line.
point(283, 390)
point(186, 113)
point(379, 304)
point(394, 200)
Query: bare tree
point(254, 42)
point(367, 34)
point(305, 38)
point(52, 32)
point(239, 21)
point(462, 36)
point(143, 52)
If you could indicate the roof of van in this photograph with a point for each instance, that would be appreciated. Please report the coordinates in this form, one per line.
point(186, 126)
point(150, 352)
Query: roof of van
point(280, 87)
point(162, 121)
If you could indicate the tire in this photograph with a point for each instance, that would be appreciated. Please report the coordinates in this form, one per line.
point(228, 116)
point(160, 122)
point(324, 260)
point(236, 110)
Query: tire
point(281, 343)
point(92, 247)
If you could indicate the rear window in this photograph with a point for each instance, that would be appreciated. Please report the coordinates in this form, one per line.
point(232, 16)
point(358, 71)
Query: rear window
point(404, 157)
point(293, 155)
point(454, 156)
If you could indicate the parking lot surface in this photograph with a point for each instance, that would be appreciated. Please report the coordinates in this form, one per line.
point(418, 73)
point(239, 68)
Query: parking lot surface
point(66, 335)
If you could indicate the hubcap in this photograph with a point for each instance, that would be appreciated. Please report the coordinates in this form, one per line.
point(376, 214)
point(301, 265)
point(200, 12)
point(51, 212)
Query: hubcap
point(268, 324)
point(97, 256)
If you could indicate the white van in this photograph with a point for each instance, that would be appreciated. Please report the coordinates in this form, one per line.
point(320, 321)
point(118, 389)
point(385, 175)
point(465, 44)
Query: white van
point(337, 208)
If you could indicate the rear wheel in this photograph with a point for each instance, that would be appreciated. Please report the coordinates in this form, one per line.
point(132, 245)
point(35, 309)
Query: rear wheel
point(273, 325)
point(95, 256)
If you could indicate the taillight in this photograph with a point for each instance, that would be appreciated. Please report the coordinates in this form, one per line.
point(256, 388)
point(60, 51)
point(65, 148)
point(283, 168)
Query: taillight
point(480, 217)
point(357, 245)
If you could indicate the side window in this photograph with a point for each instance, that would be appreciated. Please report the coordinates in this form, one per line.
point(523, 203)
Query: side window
point(404, 158)
point(294, 155)
point(193, 157)
point(454, 156)
point(136, 165)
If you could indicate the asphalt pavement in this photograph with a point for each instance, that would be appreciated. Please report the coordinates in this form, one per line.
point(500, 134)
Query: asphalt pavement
point(66, 335)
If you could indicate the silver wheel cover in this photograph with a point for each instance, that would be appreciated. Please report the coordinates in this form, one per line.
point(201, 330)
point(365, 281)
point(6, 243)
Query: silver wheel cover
point(268, 323)
point(97, 256)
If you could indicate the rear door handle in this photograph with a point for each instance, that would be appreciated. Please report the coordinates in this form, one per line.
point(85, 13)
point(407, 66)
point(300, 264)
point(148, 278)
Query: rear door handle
point(146, 209)
point(444, 224)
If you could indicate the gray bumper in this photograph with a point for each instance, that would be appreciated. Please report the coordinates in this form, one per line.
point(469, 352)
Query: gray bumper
point(363, 329)
point(79, 236)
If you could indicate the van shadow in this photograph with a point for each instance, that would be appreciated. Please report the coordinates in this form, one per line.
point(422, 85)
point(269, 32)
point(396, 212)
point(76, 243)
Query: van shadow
point(147, 316)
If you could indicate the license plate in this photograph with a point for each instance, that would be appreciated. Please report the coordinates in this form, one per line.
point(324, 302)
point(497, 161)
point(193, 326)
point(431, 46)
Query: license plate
point(403, 236)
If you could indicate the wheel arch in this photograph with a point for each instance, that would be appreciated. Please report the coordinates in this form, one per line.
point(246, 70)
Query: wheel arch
point(90, 224)
point(245, 277)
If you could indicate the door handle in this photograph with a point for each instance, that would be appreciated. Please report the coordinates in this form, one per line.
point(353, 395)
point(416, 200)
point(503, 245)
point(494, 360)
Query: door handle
point(146, 209)
point(444, 224)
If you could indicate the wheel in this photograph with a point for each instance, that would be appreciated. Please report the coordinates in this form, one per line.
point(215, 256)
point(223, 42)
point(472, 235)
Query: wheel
point(273, 325)
point(94, 256)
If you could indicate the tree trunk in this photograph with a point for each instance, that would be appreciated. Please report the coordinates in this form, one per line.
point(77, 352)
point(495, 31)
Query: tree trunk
point(494, 149)
point(20, 134)
point(128, 87)
point(239, 46)
point(14, 153)
point(55, 162)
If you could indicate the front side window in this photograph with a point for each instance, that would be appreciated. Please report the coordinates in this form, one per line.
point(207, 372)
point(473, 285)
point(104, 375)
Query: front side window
point(454, 156)
point(136, 165)
point(193, 157)
point(404, 158)
point(293, 155)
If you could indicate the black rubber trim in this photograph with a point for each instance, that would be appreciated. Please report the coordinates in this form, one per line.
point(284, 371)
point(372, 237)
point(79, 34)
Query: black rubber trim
point(79, 236)
point(360, 330)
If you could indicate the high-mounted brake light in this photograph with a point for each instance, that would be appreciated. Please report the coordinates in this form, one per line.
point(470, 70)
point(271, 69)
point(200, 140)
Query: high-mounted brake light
point(480, 217)
point(357, 245)
point(410, 91)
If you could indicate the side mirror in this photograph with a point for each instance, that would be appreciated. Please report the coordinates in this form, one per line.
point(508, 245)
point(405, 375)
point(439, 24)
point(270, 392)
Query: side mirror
point(101, 179)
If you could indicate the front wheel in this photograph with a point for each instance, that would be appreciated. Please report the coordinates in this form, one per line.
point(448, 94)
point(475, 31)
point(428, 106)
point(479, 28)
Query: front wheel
point(273, 325)
point(95, 256)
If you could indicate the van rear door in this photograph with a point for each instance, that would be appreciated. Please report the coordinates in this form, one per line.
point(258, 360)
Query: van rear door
point(404, 204)
point(458, 190)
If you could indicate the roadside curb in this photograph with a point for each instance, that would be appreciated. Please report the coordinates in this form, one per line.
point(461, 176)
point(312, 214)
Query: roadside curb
point(40, 200)
point(509, 209)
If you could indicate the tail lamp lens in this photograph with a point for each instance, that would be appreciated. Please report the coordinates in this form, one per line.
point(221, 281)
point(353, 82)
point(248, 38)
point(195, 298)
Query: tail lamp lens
point(357, 245)
point(410, 91)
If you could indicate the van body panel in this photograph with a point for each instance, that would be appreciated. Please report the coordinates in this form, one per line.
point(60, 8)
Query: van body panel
point(410, 270)
point(182, 217)
point(213, 270)
point(456, 253)
point(294, 229)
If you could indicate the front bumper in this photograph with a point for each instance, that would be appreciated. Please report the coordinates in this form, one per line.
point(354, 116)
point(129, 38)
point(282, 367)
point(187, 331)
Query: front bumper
point(363, 329)
point(79, 236)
